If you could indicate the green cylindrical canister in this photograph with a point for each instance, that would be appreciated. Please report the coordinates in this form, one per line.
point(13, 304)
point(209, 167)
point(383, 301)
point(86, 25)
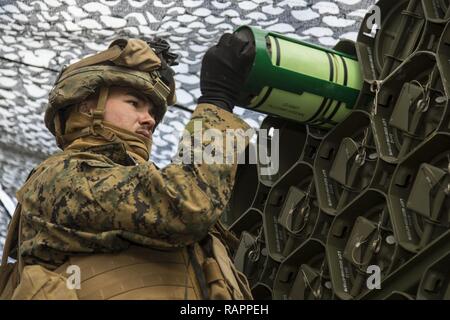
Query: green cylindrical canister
point(299, 81)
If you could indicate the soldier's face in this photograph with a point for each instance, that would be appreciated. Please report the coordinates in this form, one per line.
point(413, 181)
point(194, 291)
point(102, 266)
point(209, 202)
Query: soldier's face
point(129, 110)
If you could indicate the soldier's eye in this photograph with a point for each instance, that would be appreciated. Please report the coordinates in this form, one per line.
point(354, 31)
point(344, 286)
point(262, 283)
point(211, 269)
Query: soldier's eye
point(134, 103)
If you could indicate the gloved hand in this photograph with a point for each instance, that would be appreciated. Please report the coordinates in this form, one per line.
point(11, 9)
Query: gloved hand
point(225, 67)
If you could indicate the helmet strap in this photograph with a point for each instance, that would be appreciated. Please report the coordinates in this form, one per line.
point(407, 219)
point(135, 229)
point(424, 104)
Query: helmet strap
point(99, 111)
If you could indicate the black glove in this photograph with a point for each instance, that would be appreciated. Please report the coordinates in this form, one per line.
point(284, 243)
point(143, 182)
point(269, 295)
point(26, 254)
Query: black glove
point(225, 67)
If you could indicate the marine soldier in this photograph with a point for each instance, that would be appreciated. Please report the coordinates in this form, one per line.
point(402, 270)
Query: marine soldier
point(130, 229)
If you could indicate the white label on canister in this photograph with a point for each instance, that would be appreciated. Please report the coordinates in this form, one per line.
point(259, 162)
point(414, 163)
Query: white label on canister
point(406, 219)
point(388, 137)
point(435, 8)
point(343, 271)
point(328, 192)
point(277, 234)
point(371, 63)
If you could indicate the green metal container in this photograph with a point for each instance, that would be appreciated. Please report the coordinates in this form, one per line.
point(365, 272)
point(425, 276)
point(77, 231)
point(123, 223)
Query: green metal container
point(362, 236)
point(304, 274)
point(300, 81)
point(435, 282)
point(382, 47)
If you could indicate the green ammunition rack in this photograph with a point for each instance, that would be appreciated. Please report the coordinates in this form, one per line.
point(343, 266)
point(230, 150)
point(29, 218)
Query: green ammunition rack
point(372, 193)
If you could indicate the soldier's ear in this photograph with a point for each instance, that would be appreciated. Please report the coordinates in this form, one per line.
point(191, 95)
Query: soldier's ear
point(88, 104)
point(84, 107)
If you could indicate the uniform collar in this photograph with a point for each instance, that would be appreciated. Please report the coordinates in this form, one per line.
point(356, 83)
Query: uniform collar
point(115, 151)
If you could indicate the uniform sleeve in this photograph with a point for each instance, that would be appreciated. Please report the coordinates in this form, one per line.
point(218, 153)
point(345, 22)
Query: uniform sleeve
point(176, 205)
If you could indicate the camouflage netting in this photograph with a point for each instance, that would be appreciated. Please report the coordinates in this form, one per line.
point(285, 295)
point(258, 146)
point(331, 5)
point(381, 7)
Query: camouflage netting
point(38, 37)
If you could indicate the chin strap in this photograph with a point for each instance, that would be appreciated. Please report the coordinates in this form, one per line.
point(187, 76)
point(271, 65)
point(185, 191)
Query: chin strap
point(99, 111)
point(95, 129)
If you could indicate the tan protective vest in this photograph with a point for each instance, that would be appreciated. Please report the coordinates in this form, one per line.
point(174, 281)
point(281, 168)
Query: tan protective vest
point(136, 273)
point(144, 273)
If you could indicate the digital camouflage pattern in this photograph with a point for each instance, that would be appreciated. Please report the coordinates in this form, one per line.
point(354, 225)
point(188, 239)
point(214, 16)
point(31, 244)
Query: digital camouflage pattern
point(98, 199)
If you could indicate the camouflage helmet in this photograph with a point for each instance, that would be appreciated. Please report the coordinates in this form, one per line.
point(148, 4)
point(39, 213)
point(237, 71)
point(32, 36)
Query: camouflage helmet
point(127, 63)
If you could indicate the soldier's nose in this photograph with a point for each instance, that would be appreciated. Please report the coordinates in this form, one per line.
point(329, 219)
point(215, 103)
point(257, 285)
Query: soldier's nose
point(148, 121)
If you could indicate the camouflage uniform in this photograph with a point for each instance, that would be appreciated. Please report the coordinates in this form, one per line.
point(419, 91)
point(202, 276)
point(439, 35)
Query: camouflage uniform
point(102, 198)
point(98, 200)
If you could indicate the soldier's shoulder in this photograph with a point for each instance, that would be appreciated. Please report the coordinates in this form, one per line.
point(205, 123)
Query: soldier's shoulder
point(72, 156)
point(66, 163)
point(63, 169)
